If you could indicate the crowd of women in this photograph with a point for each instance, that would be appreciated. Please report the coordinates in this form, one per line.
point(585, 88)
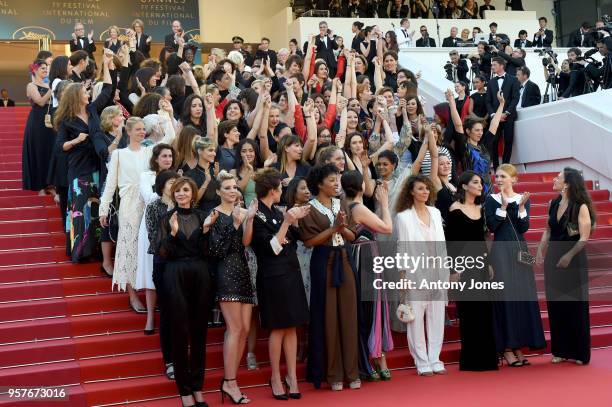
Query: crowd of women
point(262, 195)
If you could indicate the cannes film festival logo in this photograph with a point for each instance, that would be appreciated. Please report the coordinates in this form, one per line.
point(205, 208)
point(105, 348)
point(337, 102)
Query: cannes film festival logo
point(34, 33)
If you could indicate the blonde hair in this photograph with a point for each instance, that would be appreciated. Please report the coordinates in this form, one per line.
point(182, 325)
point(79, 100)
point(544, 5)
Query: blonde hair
point(113, 27)
point(219, 53)
point(132, 121)
point(198, 73)
point(107, 116)
point(202, 143)
point(509, 169)
point(224, 176)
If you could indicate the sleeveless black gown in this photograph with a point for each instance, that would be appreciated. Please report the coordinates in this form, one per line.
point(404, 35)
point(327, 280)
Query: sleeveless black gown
point(465, 237)
point(38, 142)
point(567, 291)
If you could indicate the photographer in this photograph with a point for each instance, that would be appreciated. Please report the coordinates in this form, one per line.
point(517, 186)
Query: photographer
point(576, 77)
point(514, 58)
point(560, 77)
point(481, 62)
point(457, 68)
point(600, 72)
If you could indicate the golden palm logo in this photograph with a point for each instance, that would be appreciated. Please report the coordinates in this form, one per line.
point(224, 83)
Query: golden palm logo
point(34, 33)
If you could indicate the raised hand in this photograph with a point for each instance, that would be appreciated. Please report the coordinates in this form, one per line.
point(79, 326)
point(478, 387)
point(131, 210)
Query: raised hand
point(210, 220)
point(382, 194)
point(252, 211)
point(524, 199)
point(237, 215)
point(500, 98)
point(90, 36)
point(174, 226)
point(216, 169)
point(208, 102)
point(450, 97)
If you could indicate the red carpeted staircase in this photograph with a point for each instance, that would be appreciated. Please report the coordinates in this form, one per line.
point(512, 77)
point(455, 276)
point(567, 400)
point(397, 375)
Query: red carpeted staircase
point(60, 324)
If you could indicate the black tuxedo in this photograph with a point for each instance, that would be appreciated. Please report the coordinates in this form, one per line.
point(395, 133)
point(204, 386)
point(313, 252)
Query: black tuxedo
point(143, 46)
point(576, 40)
point(9, 103)
point(89, 47)
point(169, 42)
point(421, 43)
point(531, 94)
point(381, 8)
point(483, 8)
point(326, 52)
point(515, 5)
point(512, 64)
point(518, 43)
point(263, 55)
point(511, 91)
point(545, 41)
point(450, 42)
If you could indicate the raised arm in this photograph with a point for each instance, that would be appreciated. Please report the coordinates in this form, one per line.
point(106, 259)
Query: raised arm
point(498, 114)
point(310, 146)
point(455, 117)
point(211, 119)
point(34, 95)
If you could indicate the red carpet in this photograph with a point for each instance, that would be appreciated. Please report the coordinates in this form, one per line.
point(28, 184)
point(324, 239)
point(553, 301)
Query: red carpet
point(61, 325)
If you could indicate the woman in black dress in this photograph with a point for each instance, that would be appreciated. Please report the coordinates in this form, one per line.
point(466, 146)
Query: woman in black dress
point(478, 107)
point(38, 139)
point(518, 323)
point(183, 244)
point(205, 172)
point(280, 289)
point(571, 220)
point(465, 232)
point(78, 131)
point(233, 282)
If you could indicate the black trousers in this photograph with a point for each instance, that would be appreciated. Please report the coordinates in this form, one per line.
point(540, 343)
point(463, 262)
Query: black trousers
point(505, 129)
point(165, 330)
point(189, 298)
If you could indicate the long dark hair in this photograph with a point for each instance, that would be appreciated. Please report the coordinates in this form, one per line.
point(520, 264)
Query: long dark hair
point(186, 113)
point(59, 68)
point(240, 162)
point(577, 194)
point(465, 179)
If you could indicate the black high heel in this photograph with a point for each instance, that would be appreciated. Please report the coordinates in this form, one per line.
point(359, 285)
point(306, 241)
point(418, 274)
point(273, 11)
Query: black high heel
point(105, 273)
point(282, 396)
point(224, 393)
point(199, 403)
point(516, 363)
point(295, 396)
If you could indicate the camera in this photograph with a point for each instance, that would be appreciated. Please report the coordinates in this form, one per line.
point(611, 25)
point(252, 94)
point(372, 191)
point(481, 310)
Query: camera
point(448, 66)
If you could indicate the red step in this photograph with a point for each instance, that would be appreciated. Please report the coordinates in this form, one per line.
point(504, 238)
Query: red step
point(601, 232)
point(22, 227)
point(540, 222)
point(37, 272)
point(53, 239)
point(541, 186)
point(29, 213)
point(29, 199)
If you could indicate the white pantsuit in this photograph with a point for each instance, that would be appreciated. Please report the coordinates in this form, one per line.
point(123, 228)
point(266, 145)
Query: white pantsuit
point(427, 305)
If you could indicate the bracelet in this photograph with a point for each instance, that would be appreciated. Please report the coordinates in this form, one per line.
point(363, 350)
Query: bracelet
point(307, 117)
point(115, 142)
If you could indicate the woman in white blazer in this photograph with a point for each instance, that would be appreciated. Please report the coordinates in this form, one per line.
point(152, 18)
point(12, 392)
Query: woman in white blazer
point(420, 234)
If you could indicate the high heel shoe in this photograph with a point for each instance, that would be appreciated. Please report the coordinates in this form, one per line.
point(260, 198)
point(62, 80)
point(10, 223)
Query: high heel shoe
point(149, 332)
point(224, 393)
point(105, 273)
point(199, 403)
point(516, 363)
point(295, 396)
point(282, 396)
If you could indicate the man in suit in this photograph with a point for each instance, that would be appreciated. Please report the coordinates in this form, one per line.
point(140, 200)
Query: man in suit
point(238, 44)
point(170, 39)
point(4, 99)
point(582, 37)
point(326, 44)
point(493, 33)
point(510, 88)
point(264, 52)
point(382, 7)
point(451, 41)
point(522, 41)
point(529, 93)
point(485, 7)
point(82, 42)
point(425, 40)
point(515, 5)
point(459, 69)
point(544, 37)
point(514, 59)
point(602, 75)
point(484, 59)
point(404, 35)
point(399, 9)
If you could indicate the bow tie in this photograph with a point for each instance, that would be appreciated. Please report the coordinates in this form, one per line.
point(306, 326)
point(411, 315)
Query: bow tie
point(522, 87)
point(501, 77)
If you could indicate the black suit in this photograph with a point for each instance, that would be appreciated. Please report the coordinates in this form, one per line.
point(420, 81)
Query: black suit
point(381, 8)
point(89, 47)
point(577, 39)
point(450, 42)
point(515, 5)
point(462, 70)
point(484, 65)
point(512, 64)
point(545, 41)
point(511, 91)
point(518, 43)
point(263, 55)
point(483, 8)
point(9, 103)
point(531, 95)
point(326, 53)
point(170, 43)
point(602, 76)
point(143, 46)
point(421, 43)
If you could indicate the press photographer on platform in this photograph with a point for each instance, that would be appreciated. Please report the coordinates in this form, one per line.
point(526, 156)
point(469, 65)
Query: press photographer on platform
point(457, 68)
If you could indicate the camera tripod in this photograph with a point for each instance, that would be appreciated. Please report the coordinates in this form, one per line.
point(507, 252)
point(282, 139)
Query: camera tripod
point(550, 93)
